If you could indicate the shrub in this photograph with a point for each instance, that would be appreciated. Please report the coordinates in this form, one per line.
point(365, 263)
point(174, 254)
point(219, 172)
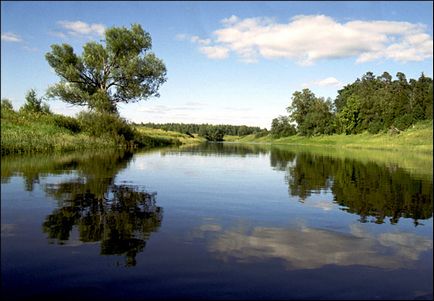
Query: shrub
point(403, 122)
point(6, 105)
point(262, 133)
point(34, 104)
point(106, 124)
point(67, 122)
point(375, 127)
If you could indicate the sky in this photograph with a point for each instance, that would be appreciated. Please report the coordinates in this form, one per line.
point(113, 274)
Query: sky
point(227, 62)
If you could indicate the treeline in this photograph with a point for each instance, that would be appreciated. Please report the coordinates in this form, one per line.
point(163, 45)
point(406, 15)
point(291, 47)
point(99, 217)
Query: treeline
point(208, 131)
point(373, 104)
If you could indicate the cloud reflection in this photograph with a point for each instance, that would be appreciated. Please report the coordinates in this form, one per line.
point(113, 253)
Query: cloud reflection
point(310, 248)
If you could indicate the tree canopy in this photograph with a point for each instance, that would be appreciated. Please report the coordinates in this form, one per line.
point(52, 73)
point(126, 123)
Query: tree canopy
point(370, 104)
point(122, 70)
point(34, 104)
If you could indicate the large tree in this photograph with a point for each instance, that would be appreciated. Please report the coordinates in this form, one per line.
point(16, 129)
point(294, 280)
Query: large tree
point(121, 71)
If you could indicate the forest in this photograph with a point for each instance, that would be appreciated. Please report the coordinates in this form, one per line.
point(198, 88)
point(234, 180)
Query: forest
point(372, 103)
point(208, 131)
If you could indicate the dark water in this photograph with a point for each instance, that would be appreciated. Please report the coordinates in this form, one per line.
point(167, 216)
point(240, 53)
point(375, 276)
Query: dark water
point(214, 222)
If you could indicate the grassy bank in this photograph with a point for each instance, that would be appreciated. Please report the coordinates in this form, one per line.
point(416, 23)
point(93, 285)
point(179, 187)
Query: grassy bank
point(418, 138)
point(163, 134)
point(36, 132)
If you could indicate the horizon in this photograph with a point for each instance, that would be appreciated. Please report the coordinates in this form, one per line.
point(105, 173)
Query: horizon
point(255, 54)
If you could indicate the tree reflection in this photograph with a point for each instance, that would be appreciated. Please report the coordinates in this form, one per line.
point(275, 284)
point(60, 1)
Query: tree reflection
point(122, 219)
point(219, 149)
point(366, 189)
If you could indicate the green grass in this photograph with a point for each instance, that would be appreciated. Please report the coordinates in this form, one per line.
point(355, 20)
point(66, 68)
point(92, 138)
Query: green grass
point(418, 138)
point(44, 133)
point(31, 133)
point(163, 134)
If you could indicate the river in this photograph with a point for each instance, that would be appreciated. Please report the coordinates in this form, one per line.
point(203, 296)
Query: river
point(216, 221)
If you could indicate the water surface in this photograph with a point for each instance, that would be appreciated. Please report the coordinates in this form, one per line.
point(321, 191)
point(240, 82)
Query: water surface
point(215, 221)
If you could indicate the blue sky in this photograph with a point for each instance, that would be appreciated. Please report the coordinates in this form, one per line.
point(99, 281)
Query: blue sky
point(227, 62)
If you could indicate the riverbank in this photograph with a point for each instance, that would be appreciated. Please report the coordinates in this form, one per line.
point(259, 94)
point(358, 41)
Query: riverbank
point(54, 133)
point(418, 138)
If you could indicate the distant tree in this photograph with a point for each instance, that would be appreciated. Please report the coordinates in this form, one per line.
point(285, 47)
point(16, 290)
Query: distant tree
point(370, 104)
point(319, 120)
point(313, 115)
point(121, 71)
point(281, 127)
point(301, 104)
point(422, 98)
point(34, 104)
point(6, 105)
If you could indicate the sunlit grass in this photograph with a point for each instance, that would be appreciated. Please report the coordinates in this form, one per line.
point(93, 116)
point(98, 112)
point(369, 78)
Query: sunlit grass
point(417, 138)
point(35, 133)
point(163, 134)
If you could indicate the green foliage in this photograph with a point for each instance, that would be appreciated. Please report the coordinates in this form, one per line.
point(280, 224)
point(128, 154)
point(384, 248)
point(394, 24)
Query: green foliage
point(349, 116)
point(121, 71)
point(34, 104)
point(67, 122)
point(24, 132)
point(206, 130)
point(281, 127)
point(373, 104)
point(211, 133)
point(262, 133)
point(312, 114)
point(403, 122)
point(301, 104)
point(319, 120)
point(6, 105)
point(376, 104)
point(105, 124)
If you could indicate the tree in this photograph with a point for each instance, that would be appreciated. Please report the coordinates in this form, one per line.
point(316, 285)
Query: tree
point(319, 120)
point(34, 104)
point(314, 116)
point(6, 105)
point(349, 116)
point(301, 104)
point(421, 98)
point(121, 71)
point(281, 127)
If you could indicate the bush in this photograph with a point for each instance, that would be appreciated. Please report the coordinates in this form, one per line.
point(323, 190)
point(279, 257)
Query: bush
point(34, 104)
point(403, 122)
point(67, 122)
point(375, 127)
point(6, 105)
point(105, 124)
point(262, 133)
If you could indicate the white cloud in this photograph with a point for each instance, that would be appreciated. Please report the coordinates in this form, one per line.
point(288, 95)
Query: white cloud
point(31, 49)
point(11, 37)
point(309, 38)
point(215, 52)
point(203, 42)
point(229, 21)
point(80, 28)
point(181, 37)
point(326, 82)
point(329, 81)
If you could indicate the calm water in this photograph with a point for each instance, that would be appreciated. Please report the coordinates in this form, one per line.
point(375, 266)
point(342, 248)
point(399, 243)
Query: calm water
point(216, 222)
